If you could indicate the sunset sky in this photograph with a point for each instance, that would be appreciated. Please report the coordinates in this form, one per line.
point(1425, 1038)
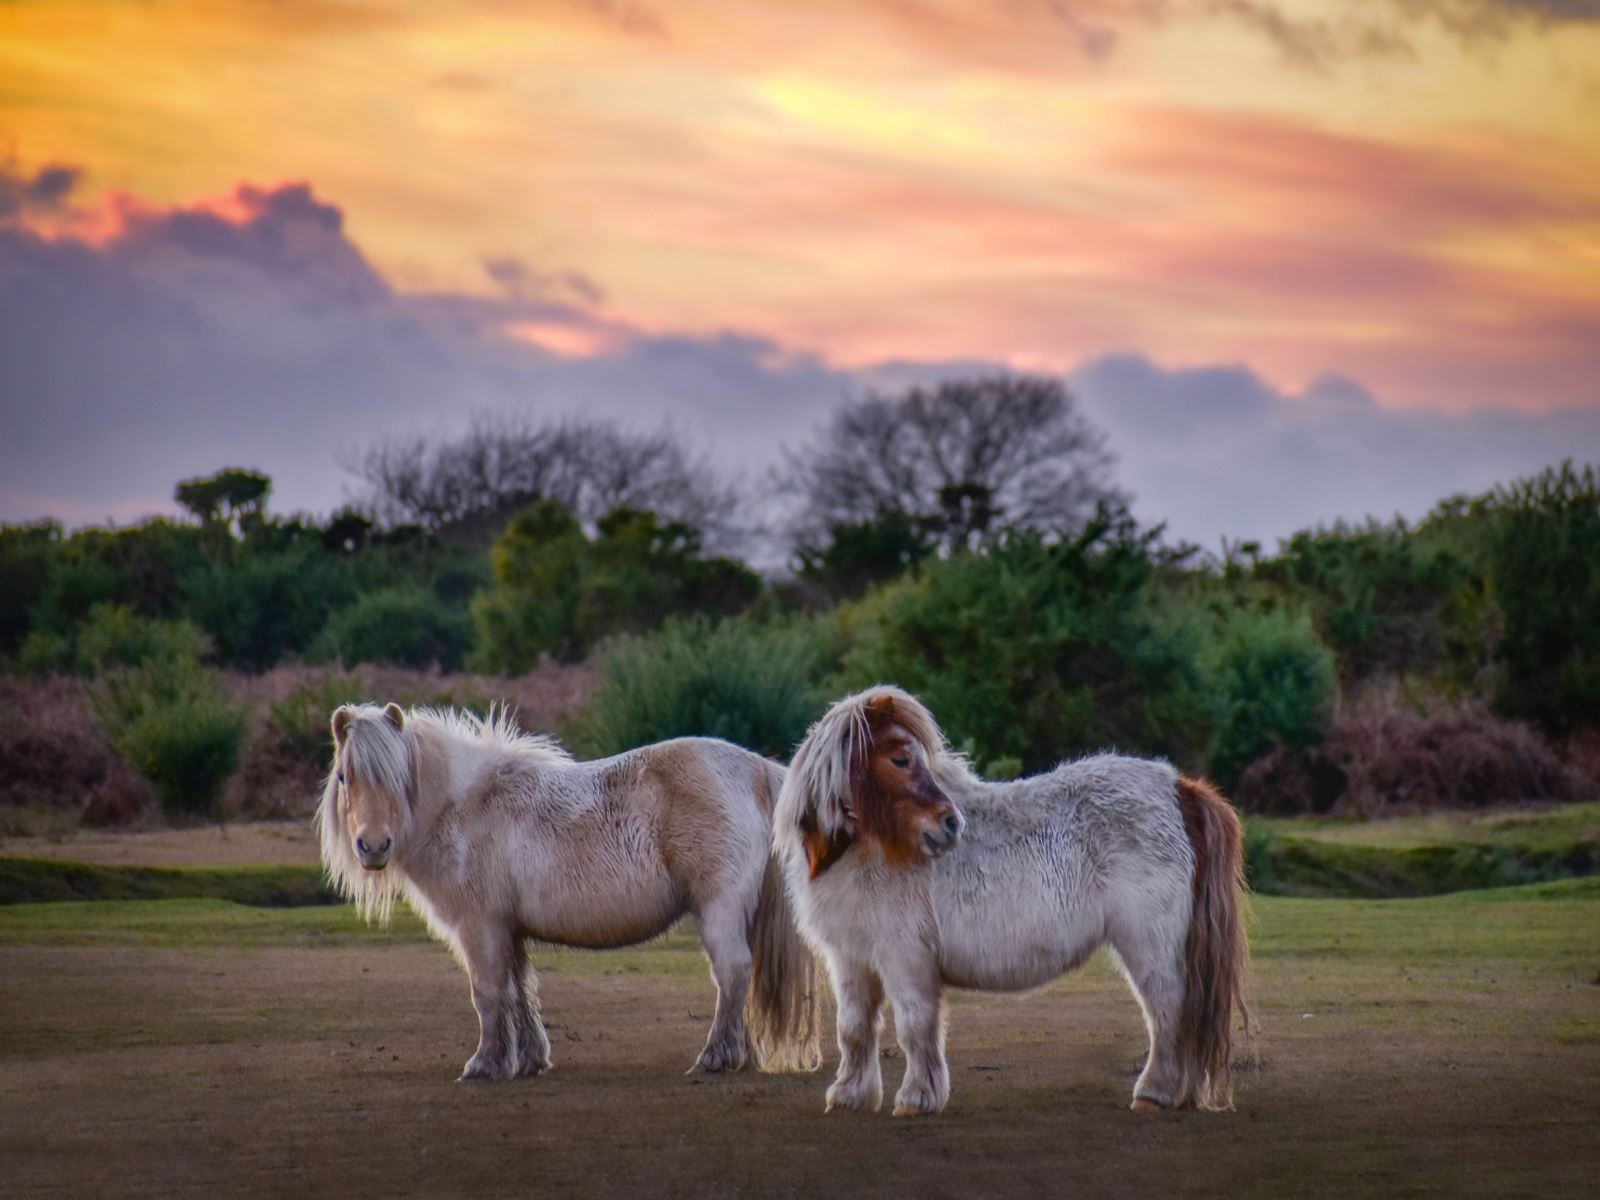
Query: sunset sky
point(1354, 246)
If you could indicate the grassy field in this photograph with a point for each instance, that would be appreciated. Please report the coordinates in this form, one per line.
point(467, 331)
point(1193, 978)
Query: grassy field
point(1446, 1046)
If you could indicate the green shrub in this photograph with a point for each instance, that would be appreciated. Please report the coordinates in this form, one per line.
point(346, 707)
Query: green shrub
point(753, 683)
point(1037, 650)
point(172, 721)
point(113, 635)
point(27, 555)
point(1545, 564)
point(1273, 681)
point(1389, 601)
point(531, 607)
point(267, 605)
point(558, 592)
point(405, 627)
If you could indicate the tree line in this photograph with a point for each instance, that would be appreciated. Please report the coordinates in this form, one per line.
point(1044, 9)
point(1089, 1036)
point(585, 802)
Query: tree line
point(966, 539)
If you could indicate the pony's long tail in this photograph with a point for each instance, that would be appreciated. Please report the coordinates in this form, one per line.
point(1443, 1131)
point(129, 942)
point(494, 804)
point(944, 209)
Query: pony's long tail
point(1216, 959)
point(781, 1012)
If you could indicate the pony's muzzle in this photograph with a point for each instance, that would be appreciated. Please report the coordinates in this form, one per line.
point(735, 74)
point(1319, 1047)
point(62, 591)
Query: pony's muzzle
point(374, 858)
point(936, 841)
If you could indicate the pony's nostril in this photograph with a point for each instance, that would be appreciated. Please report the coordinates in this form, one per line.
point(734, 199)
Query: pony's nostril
point(361, 846)
point(387, 842)
point(952, 824)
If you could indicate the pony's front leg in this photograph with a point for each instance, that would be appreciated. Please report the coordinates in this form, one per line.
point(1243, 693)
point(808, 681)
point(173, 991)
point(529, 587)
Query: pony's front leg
point(511, 1038)
point(917, 995)
point(859, 1084)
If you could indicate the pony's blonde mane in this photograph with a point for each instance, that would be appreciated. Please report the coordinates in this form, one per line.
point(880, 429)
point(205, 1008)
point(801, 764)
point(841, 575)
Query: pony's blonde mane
point(818, 784)
point(498, 730)
point(384, 756)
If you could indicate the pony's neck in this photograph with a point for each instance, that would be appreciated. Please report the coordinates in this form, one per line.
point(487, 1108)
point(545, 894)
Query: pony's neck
point(448, 768)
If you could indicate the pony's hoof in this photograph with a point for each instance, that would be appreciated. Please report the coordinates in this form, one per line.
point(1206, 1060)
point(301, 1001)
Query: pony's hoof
point(852, 1101)
point(714, 1062)
point(1145, 1107)
point(919, 1102)
point(477, 1072)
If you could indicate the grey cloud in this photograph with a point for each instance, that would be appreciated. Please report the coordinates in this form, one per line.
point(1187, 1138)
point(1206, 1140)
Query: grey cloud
point(1217, 451)
point(1316, 44)
point(196, 341)
point(1384, 28)
point(524, 282)
point(46, 190)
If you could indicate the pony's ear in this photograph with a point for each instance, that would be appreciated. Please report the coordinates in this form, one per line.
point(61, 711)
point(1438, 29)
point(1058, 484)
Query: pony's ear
point(880, 710)
point(395, 715)
point(342, 717)
point(822, 851)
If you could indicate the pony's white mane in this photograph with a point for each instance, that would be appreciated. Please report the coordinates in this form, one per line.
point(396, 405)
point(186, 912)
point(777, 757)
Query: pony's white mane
point(384, 756)
point(498, 730)
point(818, 780)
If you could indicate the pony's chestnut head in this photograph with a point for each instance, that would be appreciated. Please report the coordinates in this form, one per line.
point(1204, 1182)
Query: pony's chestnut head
point(873, 769)
point(903, 804)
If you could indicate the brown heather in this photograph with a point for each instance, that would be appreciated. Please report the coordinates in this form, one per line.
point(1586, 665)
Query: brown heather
point(1386, 757)
point(54, 753)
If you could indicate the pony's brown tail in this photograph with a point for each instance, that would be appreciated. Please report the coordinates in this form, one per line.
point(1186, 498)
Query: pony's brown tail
point(1216, 958)
point(782, 1009)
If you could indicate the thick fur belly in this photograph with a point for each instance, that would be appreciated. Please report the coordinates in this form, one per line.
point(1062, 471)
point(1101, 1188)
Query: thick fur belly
point(1004, 951)
point(598, 919)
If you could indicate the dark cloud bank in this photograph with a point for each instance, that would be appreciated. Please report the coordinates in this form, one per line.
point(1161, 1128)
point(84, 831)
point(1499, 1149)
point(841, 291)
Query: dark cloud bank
point(189, 341)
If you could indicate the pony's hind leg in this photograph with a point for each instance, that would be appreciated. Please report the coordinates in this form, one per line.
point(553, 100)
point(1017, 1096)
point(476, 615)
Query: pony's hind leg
point(511, 1038)
point(1152, 962)
point(533, 1043)
point(859, 1084)
point(724, 931)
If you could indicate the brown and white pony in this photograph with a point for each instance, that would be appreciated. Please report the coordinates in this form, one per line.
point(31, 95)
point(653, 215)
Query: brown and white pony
point(496, 837)
point(910, 875)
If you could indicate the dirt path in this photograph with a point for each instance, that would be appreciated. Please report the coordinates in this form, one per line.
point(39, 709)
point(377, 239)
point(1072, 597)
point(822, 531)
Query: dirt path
point(261, 843)
point(328, 1072)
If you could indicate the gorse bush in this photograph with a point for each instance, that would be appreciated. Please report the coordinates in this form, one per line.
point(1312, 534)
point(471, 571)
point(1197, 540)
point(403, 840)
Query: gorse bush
point(753, 683)
point(1037, 650)
point(406, 627)
point(172, 721)
point(27, 554)
point(1545, 563)
point(266, 605)
point(1389, 603)
point(1273, 687)
point(113, 636)
point(556, 591)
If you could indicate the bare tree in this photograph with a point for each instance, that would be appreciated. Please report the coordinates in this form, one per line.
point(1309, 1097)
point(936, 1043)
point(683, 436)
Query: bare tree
point(468, 486)
point(963, 460)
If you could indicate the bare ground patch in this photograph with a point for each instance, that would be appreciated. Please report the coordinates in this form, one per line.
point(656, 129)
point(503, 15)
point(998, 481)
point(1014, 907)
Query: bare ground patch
point(149, 1071)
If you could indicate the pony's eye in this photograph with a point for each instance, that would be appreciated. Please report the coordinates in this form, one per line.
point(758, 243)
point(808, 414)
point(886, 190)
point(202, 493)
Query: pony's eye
point(341, 776)
point(901, 761)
